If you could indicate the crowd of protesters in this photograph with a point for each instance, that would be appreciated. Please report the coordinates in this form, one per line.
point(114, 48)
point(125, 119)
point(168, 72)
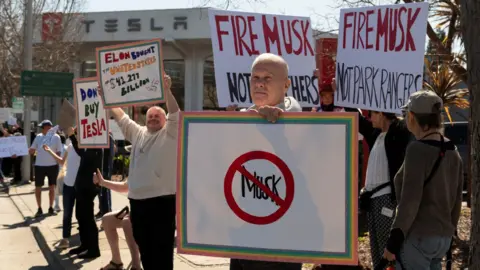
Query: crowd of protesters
point(412, 196)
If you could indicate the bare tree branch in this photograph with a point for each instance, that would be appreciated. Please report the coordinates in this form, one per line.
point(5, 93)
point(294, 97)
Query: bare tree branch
point(56, 55)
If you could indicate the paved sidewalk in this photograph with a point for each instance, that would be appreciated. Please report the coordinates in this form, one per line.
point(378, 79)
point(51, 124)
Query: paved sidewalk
point(18, 248)
point(48, 231)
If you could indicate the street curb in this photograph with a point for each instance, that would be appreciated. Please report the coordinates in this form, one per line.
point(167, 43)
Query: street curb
point(54, 261)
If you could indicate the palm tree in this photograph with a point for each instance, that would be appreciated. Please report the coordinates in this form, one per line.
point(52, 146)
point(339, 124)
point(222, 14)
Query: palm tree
point(441, 80)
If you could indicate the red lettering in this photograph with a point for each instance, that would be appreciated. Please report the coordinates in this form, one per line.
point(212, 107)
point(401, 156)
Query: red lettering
point(361, 24)
point(346, 25)
point(89, 131)
point(392, 33)
point(108, 57)
point(271, 34)
point(220, 33)
point(93, 129)
point(382, 29)
point(369, 29)
point(287, 43)
point(234, 30)
point(84, 124)
point(299, 37)
point(253, 36)
point(400, 46)
point(306, 43)
point(241, 25)
point(410, 43)
point(103, 126)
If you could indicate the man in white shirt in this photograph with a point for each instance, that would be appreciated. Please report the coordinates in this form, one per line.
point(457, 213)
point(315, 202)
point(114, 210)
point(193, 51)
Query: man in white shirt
point(268, 86)
point(45, 164)
point(152, 180)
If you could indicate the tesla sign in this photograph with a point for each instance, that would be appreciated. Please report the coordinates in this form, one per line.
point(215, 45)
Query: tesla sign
point(135, 24)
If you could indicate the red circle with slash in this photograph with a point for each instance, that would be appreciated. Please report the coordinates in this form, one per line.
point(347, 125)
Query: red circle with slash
point(284, 204)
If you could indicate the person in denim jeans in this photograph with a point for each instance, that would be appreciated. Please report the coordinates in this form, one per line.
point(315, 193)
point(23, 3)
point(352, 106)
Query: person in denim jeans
point(429, 189)
point(72, 161)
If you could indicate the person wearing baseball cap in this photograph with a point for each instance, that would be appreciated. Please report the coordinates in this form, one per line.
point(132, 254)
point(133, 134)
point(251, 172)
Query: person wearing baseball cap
point(428, 188)
point(45, 165)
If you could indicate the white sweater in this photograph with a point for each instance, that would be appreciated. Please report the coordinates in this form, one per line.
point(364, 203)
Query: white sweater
point(153, 158)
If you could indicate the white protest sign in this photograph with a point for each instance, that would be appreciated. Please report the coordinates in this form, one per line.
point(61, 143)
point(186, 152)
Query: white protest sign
point(116, 131)
point(92, 120)
point(131, 74)
point(12, 121)
point(47, 139)
point(380, 56)
point(5, 114)
point(239, 37)
point(17, 105)
point(279, 192)
point(13, 145)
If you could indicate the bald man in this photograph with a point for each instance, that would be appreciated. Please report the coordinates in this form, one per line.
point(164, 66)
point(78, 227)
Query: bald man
point(268, 85)
point(151, 180)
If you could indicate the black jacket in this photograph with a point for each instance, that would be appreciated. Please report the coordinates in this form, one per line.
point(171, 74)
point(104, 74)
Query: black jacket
point(90, 160)
point(396, 141)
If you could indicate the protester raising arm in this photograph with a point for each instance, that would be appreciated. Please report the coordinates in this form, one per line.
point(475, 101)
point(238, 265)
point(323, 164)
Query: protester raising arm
point(60, 160)
point(129, 128)
point(71, 135)
point(115, 186)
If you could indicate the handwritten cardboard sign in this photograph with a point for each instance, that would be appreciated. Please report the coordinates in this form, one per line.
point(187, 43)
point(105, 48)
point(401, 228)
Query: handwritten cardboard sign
point(238, 37)
point(92, 119)
point(13, 145)
point(131, 74)
point(67, 115)
point(380, 56)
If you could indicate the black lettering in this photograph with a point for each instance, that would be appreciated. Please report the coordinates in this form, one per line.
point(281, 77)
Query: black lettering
point(239, 87)
point(271, 182)
point(111, 25)
point(87, 24)
point(134, 25)
point(180, 22)
point(373, 87)
point(153, 27)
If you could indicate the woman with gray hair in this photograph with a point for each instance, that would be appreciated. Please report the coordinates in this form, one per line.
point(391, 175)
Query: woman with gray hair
point(428, 188)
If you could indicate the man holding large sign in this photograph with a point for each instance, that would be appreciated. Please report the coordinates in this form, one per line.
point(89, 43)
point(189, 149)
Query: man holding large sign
point(269, 83)
point(151, 180)
point(254, 191)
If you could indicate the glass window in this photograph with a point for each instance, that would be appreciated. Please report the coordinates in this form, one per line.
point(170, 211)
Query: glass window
point(176, 70)
point(210, 101)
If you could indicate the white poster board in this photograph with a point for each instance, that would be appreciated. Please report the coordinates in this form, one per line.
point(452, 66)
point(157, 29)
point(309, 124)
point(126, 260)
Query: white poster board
point(5, 114)
point(116, 131)
point(17, 105)
point(380, 65)
point(239, 37)
point(131, 74)
point(13, 145)
point(92, 120)
point(304, 210)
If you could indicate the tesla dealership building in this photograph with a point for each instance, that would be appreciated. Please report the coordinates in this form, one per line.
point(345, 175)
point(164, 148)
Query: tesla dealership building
point(187, 49)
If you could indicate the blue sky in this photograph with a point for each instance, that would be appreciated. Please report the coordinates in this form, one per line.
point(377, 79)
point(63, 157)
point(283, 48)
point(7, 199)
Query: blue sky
point(322, 12)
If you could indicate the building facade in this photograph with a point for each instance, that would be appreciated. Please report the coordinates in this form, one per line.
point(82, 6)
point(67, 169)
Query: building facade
point(187, 48)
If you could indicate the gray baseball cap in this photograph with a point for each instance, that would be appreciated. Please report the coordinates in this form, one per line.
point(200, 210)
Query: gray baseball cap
point(423, 102)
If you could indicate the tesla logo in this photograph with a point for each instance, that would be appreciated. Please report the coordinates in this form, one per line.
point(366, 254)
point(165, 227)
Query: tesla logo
point(51, 26)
